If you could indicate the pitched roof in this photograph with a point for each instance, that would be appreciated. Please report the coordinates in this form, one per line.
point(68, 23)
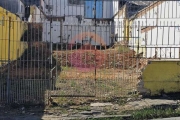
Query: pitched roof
point(152, 5)
point(134, 6)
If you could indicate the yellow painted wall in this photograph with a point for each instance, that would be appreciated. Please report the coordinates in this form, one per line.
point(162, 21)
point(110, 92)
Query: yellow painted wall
point(162, 76)
point(126, 33)
point(11, 25)
point(126, 24)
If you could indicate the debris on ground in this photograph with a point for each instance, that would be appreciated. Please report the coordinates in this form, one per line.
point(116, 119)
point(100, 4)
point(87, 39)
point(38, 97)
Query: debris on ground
point(100, 104)
point(99, 58)
point(91, 110)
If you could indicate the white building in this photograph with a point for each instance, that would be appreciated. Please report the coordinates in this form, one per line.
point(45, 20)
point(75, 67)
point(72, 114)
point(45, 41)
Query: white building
point(157, 30)
point(121, 18)
point(15, 6)
point(78, 25)
point(36, 15)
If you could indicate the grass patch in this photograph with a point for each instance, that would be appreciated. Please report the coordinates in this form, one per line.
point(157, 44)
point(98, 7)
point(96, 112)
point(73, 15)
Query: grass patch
point(73, 84)
point(61, 101)
point(84, 108)
point(147, 113)
point(66, 68)
point(112, 118)
point(154, 112)
point(122, 49)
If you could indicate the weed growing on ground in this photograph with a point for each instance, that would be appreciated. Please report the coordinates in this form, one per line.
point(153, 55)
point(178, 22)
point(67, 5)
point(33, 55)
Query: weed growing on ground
point(73, 84)
point(151, 113)
point(84, 108)
point(122, 49)
point(112, 118)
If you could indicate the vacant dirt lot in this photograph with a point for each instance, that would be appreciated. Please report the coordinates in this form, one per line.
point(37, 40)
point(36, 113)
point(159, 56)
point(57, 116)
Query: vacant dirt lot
point(100, 73)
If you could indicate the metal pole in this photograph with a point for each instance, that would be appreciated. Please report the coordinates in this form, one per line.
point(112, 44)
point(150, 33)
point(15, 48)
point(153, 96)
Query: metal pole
point(8, 77)
point(50, 83)
point(95, 40)
point(51, 54)
point(61, 30)
point(139, 30)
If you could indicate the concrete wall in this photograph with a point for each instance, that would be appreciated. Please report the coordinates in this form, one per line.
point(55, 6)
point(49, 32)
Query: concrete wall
point(162, 76)
point(16, 31)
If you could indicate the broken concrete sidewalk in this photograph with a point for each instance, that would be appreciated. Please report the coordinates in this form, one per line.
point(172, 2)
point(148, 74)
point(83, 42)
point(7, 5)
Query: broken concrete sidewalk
point(144, 103)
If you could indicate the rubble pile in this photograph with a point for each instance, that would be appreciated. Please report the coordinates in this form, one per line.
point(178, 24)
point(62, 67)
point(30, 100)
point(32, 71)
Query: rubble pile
point(143, 63)
point(120, 60)
point(99, 58)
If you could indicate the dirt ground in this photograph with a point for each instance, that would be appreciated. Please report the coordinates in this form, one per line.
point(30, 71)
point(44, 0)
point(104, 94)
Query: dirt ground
point(105, 83)
point(78, 109)
point(100, 73)
point(115, 77)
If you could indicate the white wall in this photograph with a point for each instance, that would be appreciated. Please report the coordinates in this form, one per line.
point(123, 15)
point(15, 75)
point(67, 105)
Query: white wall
point(115, 6)
point(110, 8)
point(61, 8)
point(42, 4)
point(38, 15)
point(21, 9)
point(166, 35)
point(107, 9)
point(119, 24)
point(73, 29)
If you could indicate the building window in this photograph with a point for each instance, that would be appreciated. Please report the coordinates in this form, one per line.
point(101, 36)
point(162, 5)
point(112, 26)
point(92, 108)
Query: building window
point(75, 2)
